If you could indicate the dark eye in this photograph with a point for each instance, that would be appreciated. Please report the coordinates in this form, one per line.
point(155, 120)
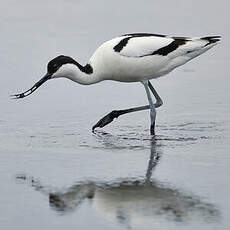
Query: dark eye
point(55, 67)
point(52, 68)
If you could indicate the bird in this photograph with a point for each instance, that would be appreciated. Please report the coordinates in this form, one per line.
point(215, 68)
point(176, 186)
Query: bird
point(133, 57)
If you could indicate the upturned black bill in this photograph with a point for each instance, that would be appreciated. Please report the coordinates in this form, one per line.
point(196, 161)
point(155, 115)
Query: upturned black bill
point(31, 90)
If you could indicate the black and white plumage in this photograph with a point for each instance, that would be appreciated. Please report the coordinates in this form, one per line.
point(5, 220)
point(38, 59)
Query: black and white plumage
point(137, 57)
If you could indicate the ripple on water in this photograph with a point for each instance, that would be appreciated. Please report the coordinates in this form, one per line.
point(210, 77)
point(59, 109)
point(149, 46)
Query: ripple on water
point(128, 137)
point(70, 136)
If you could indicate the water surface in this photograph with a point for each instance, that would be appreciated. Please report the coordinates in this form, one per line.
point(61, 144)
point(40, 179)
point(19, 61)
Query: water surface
point(56, 174)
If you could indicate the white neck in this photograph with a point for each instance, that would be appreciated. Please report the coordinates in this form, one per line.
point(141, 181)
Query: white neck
point(83, 75)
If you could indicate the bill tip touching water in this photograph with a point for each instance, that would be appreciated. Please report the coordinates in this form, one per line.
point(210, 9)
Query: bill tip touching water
point(136, 57)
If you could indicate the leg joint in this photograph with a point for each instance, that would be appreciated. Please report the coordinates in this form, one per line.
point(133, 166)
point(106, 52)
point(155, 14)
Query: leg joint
point(159, 103)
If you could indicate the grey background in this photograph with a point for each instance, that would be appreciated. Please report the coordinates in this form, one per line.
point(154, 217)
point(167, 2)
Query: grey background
point(47, 136)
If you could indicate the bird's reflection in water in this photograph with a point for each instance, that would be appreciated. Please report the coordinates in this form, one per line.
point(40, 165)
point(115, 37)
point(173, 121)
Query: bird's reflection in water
point(132, 202)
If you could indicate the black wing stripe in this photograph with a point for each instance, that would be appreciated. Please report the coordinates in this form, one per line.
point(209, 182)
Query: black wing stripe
point(162, 51)
point(121, 44)
point(170, 48)
point(124, 41)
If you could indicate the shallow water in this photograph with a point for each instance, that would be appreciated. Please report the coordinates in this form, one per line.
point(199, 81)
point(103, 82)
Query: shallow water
point(55, 173)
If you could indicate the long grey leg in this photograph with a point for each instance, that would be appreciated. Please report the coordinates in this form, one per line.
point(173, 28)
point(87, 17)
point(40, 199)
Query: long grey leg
point(116, 113)
point(159, 101)
point(152, 108)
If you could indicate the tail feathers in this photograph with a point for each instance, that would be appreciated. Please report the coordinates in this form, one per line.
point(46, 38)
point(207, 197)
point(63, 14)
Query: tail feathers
point(198, 45)
point(211, 39)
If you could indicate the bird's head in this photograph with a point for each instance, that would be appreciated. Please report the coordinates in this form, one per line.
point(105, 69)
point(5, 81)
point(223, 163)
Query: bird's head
point(57, 67)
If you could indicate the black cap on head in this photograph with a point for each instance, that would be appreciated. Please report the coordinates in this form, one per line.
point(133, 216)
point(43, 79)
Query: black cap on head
point(52, 68)
point(58, 61)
